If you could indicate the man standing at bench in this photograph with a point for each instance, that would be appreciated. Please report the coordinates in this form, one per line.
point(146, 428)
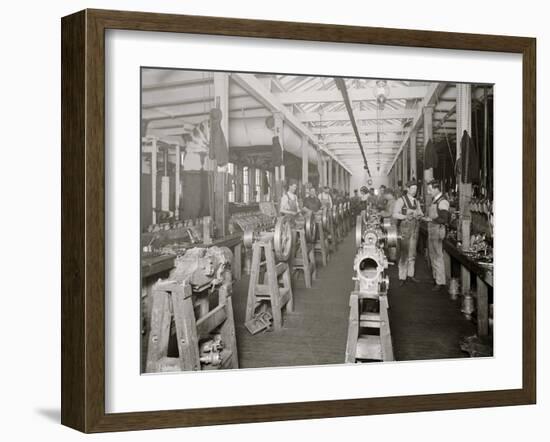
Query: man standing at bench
point(407, 212)
point(438, 218)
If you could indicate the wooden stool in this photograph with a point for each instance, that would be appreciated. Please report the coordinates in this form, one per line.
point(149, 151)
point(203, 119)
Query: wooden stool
point(304, 258)
point(321, 244)
point(173, 301)
point(368, 347)
point(268, 290)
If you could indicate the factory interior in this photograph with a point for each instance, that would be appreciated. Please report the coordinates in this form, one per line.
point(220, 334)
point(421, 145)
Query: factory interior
point(293, 220)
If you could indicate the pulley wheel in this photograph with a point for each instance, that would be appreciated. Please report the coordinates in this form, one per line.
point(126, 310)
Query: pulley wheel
point(325, 219)
point(248, 238)
point(282, 238)
point(334, 214)
point(310, 227)
point(392, 238)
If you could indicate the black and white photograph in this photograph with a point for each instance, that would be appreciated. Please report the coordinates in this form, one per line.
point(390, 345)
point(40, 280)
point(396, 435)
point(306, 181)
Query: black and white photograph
point(303, 220)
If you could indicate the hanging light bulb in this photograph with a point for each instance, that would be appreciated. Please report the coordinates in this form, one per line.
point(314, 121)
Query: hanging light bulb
point(381, 92)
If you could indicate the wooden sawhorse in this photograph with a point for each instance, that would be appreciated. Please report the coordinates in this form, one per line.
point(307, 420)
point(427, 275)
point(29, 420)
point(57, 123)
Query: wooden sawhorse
point(368, 347)
point(264, 286)
point(303, 258)
point(175, 302)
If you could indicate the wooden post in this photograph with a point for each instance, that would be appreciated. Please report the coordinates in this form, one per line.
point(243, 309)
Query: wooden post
point(428, 135)
point(154, 178)
point(405, 172)
point(279, 131)
point(330, 173)
point(221, 208)
point(178, 182)
point(412, 160)
point(463, 123)
point(482, 308)
point(305, 160)
point(320, 168)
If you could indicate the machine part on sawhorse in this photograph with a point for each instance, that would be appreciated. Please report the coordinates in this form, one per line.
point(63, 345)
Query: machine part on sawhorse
point(369, 334)
point(270, 280)
point(205, 340)
point(303, 258)
point(322, 246)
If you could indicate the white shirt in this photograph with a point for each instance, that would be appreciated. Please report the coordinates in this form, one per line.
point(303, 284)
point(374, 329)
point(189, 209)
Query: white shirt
point(398, 206)
point(286, 200)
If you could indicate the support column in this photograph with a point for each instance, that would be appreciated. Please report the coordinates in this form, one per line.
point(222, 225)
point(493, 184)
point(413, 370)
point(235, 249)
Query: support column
point(279, 170)
point(330, 172)
point(320, 168)
point(305, 160)
point(463, 123)
point(154, 179)
point(428, 135)
point(336, 175)
point(178, 182)
point(221, 185)
point(405, 169)
point(412, 159)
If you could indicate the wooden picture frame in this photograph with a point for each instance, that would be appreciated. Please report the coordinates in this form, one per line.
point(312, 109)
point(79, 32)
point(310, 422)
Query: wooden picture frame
point(83, 220)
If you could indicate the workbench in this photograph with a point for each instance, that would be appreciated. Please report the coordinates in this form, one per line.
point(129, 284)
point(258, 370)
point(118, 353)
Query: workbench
point(468, 268)
point(157, 264)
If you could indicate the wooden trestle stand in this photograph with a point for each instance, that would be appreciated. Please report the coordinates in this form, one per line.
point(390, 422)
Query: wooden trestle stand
point(369, 334)
point(174, 302)
point(270, 280)
point(303, 257)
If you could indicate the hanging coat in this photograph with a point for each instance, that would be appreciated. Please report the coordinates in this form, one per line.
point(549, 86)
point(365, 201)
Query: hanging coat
point(469, 159)
point(218, 145)
point(276, 152)
point(430, 156)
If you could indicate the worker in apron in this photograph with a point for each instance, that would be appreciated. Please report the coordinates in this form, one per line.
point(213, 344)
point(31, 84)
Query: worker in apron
point(438, 218)
point(325, 198)
point(407, 213)
point(289, 202)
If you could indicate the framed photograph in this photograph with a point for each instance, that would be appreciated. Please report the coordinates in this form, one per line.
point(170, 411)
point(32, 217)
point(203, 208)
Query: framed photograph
point(266, 221)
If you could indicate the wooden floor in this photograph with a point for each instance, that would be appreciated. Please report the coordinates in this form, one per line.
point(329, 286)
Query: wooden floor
point(425, 325)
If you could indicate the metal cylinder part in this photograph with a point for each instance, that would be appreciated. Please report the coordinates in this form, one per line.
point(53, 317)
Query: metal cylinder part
point(283, 238)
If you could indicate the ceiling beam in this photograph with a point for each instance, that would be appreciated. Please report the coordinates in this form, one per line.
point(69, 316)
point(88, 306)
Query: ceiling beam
point(180, 102)
point(365, 94)
point(176, 84)
point(364, 139)
point(362, 129)
point(355, 147)
point(255, 88)
point(386, 114)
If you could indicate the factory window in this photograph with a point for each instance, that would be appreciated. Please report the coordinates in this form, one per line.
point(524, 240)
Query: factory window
point(231, 172)
point(258, 185)
point(246, 186)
